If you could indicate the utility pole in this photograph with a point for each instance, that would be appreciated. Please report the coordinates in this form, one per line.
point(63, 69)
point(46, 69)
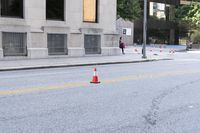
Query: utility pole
point(144, 30)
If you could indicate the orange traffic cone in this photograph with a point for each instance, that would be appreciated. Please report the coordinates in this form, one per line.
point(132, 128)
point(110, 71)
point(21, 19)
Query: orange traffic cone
point(95, 77)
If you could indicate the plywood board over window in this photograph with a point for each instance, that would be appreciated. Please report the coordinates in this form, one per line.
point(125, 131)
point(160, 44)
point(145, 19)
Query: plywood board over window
point(90, 11)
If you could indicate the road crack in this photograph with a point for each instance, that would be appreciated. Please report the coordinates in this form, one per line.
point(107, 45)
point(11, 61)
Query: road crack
point(151, 118)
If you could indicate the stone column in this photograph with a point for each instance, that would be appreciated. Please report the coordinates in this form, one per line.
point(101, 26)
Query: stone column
point(1, 46)
point(76, 44)
point(171, 12)
point(172, 36)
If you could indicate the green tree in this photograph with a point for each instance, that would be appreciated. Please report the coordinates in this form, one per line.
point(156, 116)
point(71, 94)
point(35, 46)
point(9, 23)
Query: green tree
point(196, 37)
point(188, 16)
point(128, 9)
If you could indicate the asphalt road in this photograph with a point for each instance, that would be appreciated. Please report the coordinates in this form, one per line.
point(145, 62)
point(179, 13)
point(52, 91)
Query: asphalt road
point(153, 97)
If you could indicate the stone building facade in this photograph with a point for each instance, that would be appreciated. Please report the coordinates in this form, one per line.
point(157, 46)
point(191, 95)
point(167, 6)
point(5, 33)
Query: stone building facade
point(125, 29)
point(49, 28)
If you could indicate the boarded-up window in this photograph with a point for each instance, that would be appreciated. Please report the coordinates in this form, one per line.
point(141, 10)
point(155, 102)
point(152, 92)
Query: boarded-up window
point(90, 10)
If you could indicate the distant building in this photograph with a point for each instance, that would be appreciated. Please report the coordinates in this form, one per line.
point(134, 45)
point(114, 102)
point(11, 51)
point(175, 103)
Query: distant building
point(45, 28)
point(185, 2)
point(125, 30)
point(161, 27)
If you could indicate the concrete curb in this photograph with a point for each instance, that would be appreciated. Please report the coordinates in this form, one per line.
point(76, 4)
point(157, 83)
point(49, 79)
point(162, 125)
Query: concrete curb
point(182, 50)
point(76, 65)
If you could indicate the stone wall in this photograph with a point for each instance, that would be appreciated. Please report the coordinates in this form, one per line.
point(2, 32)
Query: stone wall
point(122, 24)
point(195, 46)
point(37, 27)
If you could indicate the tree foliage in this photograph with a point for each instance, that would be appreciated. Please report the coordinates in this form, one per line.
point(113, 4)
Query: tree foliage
point(189, 15)
point(196, 37)
point(128, 9)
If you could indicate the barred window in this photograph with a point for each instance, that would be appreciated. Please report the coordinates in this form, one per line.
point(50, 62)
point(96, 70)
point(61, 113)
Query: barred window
point(57, 44)
point(90, 10)
point(14, 44)
point(92, 44)
point(55, 9)
point(12, 8)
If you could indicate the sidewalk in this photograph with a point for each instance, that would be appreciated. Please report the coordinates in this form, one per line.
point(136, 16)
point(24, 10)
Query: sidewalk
point(131, 56)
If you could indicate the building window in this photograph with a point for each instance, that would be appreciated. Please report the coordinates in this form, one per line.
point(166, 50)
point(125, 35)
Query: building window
point(12, 8)
point(57, 44)
point(92, 44)
point(14, 44)
point(55, 9)
point(90, 11)
point(157, 10)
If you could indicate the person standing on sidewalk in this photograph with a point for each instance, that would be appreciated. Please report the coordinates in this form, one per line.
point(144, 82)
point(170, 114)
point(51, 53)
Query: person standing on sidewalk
point(121, 45)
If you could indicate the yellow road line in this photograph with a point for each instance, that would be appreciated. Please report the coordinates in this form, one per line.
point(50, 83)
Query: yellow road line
point(82, 84)
point(41, 89)
point(151, 76)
